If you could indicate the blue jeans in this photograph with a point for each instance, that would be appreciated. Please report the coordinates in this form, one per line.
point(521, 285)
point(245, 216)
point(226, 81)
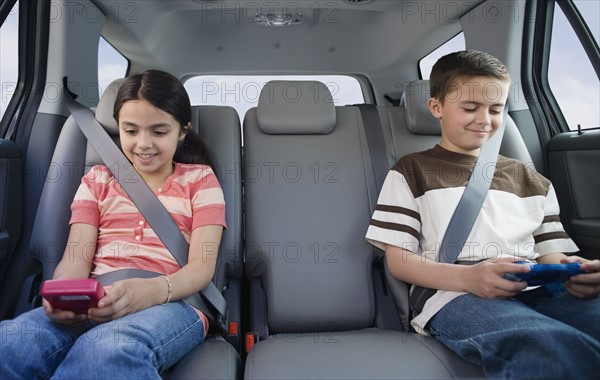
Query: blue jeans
point(528, 337)
point(136, 346)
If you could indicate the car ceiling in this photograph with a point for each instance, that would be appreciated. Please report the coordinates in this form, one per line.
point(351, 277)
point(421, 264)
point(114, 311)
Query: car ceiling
point(375, 38)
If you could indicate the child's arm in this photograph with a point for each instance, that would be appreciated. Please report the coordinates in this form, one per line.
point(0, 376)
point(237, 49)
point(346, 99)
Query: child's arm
point(199, 271)
point(131, 295)
point(484, 279)
point(75, 263)
point(79, 252)
point(582, 285)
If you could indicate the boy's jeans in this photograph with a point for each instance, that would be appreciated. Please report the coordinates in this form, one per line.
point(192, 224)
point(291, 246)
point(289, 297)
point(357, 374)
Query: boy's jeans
point(530, 336)
point(137, 346)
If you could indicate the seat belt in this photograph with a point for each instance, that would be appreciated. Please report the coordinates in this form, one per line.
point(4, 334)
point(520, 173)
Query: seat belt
point(376, 142)
point(465, 214)
point(148, 204)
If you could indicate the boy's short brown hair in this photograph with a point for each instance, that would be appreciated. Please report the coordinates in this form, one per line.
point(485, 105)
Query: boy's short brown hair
point(463, 64)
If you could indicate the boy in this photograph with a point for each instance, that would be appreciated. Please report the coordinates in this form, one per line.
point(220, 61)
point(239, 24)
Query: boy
point(476, 312)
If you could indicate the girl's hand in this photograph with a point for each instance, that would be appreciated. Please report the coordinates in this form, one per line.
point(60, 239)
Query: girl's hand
point(585, 285)
point(129, 296)
point(486, 279)
point(63, 317)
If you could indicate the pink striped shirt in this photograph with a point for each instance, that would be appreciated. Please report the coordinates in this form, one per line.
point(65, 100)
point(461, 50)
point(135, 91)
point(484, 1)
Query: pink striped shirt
point(192, 195)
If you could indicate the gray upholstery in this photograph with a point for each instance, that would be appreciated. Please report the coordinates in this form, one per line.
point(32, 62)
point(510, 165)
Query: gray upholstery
point(301, 107)
point(299, 190)
point(104, 111)
point(361, 354)
point(418, 118)
point(307, 210)
point(214, 359)
point(220, 129)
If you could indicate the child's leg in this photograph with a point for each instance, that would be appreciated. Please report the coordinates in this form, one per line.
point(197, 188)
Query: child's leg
point(137, 346)
point(583, 314)
point(32, 346)
point(511, 340)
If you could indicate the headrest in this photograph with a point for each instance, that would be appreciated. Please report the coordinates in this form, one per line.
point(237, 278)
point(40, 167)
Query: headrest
point(419, 119)
point(295, 108)
point(104, 111)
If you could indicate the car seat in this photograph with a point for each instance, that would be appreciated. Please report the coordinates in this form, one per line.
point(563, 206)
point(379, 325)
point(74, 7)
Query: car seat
point(307, 178)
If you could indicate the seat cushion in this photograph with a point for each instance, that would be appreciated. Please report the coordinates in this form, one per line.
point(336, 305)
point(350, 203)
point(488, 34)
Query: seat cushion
point(361, 354)
point(214, 359)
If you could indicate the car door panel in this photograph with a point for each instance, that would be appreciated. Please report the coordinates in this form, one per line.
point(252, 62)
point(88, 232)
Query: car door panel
point(10, 201)
point(574, 160)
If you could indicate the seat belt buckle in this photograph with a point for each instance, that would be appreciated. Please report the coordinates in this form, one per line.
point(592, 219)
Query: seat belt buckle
point(233, 328)
point(251, 339)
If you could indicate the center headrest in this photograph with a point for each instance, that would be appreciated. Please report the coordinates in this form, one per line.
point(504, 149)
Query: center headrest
point(295, 108)
point(104, 111)
point(418, 118)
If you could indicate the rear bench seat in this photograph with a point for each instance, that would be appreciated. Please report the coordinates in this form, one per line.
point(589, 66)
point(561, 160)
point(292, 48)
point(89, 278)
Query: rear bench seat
point(308, 182)
point(219, 127)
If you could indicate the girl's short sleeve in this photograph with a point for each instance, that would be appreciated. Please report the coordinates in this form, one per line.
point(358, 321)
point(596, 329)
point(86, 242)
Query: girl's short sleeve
point(208, 201)
point(84, 208)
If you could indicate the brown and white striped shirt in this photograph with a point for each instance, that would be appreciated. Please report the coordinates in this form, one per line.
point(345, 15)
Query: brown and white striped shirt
point(519, 217)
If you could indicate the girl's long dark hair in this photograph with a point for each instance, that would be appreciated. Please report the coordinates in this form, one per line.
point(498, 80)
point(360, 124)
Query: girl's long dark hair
point(165, 92)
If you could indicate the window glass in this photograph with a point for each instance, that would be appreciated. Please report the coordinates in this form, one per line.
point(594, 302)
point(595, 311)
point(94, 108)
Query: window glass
point(111, 65)
point(590, 11)
point(242, 92)
point(9, 57)
point(571, 77)
point(456, 43)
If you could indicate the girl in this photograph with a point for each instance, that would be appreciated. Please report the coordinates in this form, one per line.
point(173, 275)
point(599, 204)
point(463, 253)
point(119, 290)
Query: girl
point(140, 326)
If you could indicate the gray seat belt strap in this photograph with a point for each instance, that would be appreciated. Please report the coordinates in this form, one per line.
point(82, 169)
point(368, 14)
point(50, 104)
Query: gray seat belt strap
point(466, 212)
point(468, 207)
point(142, 196)
point(375, 141)
point(122, 274)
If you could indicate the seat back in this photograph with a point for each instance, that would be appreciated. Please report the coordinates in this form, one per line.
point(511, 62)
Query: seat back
point(74, 156)
point(219, 127)
point(307, 183)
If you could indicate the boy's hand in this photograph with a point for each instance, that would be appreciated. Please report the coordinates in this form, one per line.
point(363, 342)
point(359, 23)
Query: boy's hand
point(126, 297)
point(63, 317)
point(585, 285)
point(486, 279)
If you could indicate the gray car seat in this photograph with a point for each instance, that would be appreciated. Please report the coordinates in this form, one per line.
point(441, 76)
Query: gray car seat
point(74, 155)
point(308, 178)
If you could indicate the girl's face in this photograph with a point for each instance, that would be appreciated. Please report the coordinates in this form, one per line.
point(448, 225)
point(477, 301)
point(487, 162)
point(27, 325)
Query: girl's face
point(149, 138)
point(471, 113)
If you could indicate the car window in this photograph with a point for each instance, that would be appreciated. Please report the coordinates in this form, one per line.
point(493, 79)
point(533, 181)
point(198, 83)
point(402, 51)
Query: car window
point(9, 57)
point(456, 43)
point(242, 92)
point(111, 65)
point(571, 76)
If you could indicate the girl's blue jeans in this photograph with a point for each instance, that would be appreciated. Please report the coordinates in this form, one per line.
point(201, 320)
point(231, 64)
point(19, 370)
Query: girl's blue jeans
point(136, 346)
point(532, 336)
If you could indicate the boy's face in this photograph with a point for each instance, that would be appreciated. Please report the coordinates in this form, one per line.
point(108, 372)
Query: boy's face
point(471, 113)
